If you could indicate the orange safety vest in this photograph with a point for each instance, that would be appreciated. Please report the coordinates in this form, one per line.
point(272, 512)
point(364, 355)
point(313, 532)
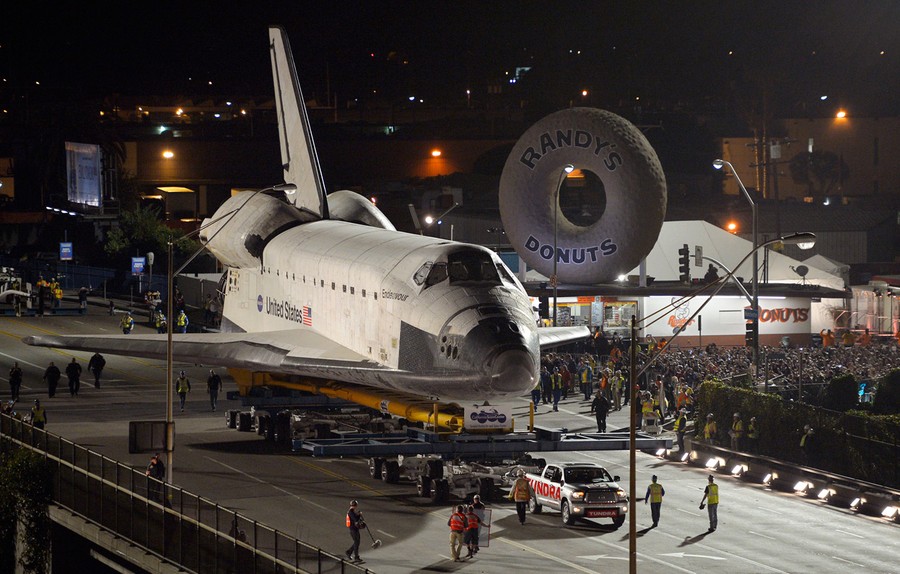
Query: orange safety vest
point(457, 522)
point(472, 519)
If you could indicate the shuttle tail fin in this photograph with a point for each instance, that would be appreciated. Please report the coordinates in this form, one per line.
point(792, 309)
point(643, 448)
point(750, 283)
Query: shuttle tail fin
point(298, 151)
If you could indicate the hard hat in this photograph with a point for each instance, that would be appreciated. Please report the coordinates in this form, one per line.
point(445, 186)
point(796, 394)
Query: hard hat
point(737, 415)
point(354, 503)
point(182, 373)
point(709, 416)
point(476, 497)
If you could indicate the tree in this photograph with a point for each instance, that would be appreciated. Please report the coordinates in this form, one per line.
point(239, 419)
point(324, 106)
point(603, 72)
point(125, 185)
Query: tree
point(841, 394)
point(140, 230)
point(25, 495)
point(819, 171)
point(887, 395)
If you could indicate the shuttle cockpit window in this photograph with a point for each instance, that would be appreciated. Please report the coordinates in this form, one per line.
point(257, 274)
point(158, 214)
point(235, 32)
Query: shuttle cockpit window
point(472, 266)
point(430, 273)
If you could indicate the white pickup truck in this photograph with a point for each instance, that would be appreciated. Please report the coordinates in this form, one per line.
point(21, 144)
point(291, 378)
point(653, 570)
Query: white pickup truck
point(578, 490)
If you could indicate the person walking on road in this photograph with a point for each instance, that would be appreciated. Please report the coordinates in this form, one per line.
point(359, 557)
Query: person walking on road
point(182, 322)
point(127, 323)
point(73, 372)
point(15, 380)
point(478, 506)
point(354, 525)
point(600, 408)
point(51, 377)
point(95, 365)
point(213, 384)
point(655, 493)
point(457, 524)
point(521, 493)
point(38, 415)
point(182, 387)
point(556, 388)
point(471, 536)
point(711, 497)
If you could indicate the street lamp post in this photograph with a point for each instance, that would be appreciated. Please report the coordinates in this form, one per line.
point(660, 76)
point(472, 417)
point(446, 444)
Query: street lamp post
point(754, 305)
point(566, 170)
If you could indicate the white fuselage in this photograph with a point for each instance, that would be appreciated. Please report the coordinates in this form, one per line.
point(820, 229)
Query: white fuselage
point(368, 290)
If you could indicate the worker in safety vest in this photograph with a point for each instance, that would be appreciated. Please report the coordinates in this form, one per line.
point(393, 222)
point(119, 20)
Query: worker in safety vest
point(471, 536)
point(827, 338)
point(182, 322)
point(556, 386)
point(655, 493)
point(680, 428)
point(38, 415)
point(457, 524)
point(711, 497)
point(710, 430)
point(127, 323)
point(354, 524)
point(737, 432)
point(521, 493)
point(182, 387)
point(646, 407)
point(753, 436)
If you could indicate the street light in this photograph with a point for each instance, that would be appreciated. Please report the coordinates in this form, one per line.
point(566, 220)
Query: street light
point(566, 170)
point(718, 164)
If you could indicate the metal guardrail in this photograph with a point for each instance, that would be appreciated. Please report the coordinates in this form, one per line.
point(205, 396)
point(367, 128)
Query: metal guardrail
point(176, 526)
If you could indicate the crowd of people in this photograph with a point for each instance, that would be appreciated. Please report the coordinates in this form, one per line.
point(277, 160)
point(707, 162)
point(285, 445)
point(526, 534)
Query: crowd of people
point(668, 383)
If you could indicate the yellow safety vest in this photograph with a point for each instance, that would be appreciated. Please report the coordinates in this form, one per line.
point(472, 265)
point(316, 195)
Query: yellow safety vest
point(752, 432)
point(737, 427)
point(680, 423)
point(712, 497)
point(182, 385)
point(38, 415)
point(710, 430)
point(656, 492)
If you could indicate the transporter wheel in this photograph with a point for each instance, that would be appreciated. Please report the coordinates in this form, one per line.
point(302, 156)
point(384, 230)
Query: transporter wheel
point(390, 472)
point(618, 521)
point(375, 465)
point(434, 469)
point(567, 517)
point(486, 488)
point(533, 506)
point(440, 491)
point(423, 487)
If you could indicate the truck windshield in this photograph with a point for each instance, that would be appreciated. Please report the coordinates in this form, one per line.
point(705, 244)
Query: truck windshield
point(587, 475)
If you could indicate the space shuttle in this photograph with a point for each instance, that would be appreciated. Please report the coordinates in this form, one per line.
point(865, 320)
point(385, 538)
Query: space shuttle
point(322, 292)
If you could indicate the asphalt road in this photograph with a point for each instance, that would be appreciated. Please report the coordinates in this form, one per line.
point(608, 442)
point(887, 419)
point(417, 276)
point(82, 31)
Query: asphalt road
point(759, 530)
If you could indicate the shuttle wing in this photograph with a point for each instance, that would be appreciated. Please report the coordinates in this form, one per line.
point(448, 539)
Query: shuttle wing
point(555, 336)
point(292, 352)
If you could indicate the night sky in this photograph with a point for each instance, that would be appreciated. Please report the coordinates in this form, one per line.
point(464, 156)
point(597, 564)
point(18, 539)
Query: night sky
point(696, 54)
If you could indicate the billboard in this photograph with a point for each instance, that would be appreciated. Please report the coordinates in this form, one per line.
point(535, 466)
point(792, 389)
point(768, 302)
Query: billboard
point(83, 173)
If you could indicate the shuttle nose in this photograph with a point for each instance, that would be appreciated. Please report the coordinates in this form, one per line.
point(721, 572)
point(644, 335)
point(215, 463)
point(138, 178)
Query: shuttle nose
point(512, 372)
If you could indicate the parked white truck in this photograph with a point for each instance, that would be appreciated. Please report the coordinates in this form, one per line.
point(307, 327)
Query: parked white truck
point(578, 490)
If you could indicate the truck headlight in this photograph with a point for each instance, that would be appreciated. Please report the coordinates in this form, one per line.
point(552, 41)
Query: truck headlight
point(621, 493)
point(578, 495)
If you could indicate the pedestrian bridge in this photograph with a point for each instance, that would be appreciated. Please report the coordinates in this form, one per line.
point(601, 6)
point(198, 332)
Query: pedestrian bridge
point(135, 522)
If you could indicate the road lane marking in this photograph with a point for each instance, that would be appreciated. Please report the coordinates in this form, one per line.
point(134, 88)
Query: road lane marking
point(562, 561)
point(769, 510)
point(21, 361)
point(739, 557)
point(763, 535)
point(688, 512)
point(388, 534)
point(684, 555)
point(278, 488)
point(848, 533)
point(639, 555)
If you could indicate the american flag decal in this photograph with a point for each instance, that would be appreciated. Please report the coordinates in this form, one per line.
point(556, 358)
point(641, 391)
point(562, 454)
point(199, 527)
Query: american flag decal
point(307, 316)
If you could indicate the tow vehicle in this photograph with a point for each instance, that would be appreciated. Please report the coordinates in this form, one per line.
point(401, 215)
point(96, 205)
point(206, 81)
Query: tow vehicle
point(578, 490)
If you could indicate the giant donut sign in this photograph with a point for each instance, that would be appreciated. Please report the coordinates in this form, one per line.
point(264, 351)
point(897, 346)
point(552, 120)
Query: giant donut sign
point(615, 151)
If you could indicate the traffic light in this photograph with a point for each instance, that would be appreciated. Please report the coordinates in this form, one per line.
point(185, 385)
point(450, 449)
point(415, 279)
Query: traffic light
point(684, 264)
point(752, 333)
point(544, 307)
